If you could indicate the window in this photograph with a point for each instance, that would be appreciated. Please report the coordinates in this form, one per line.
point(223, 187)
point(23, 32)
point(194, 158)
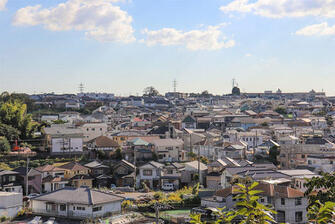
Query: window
point(31, 177)
point(298, 201)
point(100, 129)
point(282, 201)
point(269, 200)
point(97, 209)
point(80, 208)
point(62, 207)
point(303, 156)
point(169, 148)
point(147, 172)
point(12, 178)
point(298, 216)
point(169, 171)
point(93, 129)
point(262, 200)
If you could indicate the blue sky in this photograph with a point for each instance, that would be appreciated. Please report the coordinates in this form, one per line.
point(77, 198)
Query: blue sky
point(124, 46)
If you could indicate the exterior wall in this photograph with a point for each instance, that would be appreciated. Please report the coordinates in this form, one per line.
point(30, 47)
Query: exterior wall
point(69, 145)
point(93, 130)
point(214, 182)
point(39, 207)
point(290, 209)
point(79, 183)
point(10, 204)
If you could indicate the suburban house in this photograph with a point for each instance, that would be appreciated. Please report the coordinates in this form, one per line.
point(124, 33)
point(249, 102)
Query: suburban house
point(169, 150)
point(103, 143)
point(190, 173)
point(290, 204)
point(10, 204)
point(93, 130)
point(215, 177)
point(189, 122)
point(124, 173)
point(171, 174)
point(34, 179)
point(10, 181)
point(99, 172)
point(77, 203)
point(78, 175)
point(150, 174)
point(64, 139)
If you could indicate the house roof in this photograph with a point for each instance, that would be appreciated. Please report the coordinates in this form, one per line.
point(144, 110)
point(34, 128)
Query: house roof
point(139, 142)
point(74, 166)
point(104, 142)
point(167, 142)
point(267, 190)
point(95, 164)
point(48, 168)
point(194, 165)
point(82, 195)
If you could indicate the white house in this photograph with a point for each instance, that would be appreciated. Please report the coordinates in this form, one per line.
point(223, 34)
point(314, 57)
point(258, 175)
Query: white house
point(78, 203)
point(93, 130)
point(168, 149)
point(10, 204)
point(290, 204)
point(150, 174)
point(64, 139)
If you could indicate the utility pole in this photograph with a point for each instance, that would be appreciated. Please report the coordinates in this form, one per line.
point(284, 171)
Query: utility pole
point(199, 173)
point(27, 179)
point(134, 167)
point(157, 212)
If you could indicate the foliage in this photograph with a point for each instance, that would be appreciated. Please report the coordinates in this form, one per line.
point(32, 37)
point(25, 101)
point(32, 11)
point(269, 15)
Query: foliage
point(192, 155)
point(251, 211)
point(204, 159)
point(4, 145)
point(9, 132)
point(126, 204)
point(195, 189)
point(320, 213)
point(265, 124)
point(159, 195)
point(59, 122)
point(118, 154)
point(281, 110)
point(4, 166)
point(329, 120)
point(150, 91)
point(325, 182)
point(273, 153)
point(248, 209)
point(15, 114)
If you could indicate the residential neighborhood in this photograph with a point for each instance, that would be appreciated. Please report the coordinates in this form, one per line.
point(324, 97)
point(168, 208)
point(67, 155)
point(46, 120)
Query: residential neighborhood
point(186, 156)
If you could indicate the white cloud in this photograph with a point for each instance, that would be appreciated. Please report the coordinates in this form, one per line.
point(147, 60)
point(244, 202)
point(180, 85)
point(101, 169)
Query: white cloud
point(248, 55)
point(321, 29)
point(3, 4)
point(98, 18)
point(210, 38)
point(283, 8)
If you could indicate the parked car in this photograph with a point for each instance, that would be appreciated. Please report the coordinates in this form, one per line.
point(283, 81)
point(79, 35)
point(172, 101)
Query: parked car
point(168, 187)
point(36, 220)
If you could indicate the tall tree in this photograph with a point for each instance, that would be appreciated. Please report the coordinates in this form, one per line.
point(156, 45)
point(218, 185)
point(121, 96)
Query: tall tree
point(150, 91)
point(327, 183)
point(4, 145)
point(15, 114)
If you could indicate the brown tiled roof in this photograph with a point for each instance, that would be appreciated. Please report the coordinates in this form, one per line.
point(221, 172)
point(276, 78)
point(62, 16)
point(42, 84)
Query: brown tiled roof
point(52, 179)
point(73, 166)
point(48, 168)
point(104, 142)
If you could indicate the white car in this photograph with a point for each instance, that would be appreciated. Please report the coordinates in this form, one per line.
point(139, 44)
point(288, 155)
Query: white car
point(168, 187)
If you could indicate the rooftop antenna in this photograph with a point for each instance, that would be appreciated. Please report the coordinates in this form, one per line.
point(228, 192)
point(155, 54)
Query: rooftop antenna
point(81, 87)
point(235, 84)
point(175, 85)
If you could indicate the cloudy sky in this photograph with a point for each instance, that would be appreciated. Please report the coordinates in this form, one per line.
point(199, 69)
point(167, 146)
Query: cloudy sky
point(122, 46)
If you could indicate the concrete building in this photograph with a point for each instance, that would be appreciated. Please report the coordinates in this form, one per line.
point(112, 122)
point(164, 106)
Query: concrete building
point(10, 204)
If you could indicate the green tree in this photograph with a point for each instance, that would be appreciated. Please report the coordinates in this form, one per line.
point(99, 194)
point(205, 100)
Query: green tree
point(150, 91)
point(281, 110)
point(195, 189)
point(4, 145)
point(273, 153)
point(15, 114)
point(321, 213)
point(118, 154)
point(327, 183)
point(249, 209)
point(9, 132)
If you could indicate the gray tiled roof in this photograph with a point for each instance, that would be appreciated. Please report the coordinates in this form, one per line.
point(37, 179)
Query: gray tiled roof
point(82, 195)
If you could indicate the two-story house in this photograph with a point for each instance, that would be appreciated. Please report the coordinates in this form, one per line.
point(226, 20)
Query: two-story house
point(171, 174)
point(78, 175)
point(52, 178)
point(34, 179)
point(169, 150)
point(10, 181)
point(99, 172)
point(150, 174)
point(290, 204)
point(124, 174)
